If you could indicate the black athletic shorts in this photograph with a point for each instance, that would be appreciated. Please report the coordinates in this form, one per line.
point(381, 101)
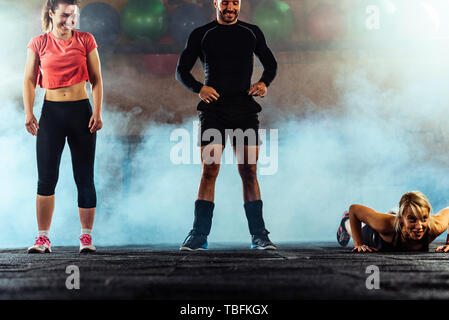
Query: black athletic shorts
point(236, 119)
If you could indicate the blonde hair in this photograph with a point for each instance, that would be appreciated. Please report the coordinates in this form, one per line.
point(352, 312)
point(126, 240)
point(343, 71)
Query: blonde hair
point(52, 5)
point(417, 203)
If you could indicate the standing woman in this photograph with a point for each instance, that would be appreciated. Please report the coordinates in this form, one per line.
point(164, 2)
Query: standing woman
point(61, 61)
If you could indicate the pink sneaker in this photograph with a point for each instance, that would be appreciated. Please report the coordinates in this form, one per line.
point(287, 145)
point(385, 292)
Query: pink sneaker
point(343, 236)
point(86, 244)
point(42, 245)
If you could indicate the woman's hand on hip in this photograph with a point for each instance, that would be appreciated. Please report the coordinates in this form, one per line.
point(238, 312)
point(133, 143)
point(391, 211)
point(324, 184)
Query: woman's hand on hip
point(95, 123)
point(31, 124)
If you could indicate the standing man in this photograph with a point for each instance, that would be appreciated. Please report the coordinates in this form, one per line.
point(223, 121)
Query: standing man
point(226, 48)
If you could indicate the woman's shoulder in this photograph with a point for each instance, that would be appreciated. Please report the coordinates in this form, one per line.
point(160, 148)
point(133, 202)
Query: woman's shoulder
point(87, 39)
point(40, 37)
point(394, 210)
point(38, 42)
point(84, 35)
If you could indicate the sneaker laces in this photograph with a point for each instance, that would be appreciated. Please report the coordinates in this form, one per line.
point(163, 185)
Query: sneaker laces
point(86, 240)
point(41, 240)
point(192, 233)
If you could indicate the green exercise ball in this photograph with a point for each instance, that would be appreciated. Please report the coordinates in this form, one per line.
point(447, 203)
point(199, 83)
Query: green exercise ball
point(144, 20)
point(275, 18)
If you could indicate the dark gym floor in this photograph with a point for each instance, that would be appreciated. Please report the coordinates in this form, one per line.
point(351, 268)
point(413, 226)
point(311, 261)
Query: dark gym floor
point(226, 271)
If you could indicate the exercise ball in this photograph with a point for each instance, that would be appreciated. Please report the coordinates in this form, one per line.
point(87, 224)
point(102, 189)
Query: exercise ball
point(275, 18)
point(184, 19)
point(101, 20)
point(144, 20)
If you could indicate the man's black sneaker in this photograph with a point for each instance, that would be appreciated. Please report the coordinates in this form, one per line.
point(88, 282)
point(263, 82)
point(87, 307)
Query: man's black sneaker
point(261, 241)
point(194, 241)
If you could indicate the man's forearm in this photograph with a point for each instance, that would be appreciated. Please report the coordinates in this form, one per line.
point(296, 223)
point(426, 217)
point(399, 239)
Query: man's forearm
point(270, 71)
point(187, 80)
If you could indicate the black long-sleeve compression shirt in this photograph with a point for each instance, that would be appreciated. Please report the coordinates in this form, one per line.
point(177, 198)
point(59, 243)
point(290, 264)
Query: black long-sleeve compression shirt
point(226, 53)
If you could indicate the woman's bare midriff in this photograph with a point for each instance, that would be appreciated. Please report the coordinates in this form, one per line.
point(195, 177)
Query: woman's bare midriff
point(72, 93)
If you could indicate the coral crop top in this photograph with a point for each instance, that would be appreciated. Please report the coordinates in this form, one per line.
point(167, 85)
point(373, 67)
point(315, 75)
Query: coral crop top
point(62, 63)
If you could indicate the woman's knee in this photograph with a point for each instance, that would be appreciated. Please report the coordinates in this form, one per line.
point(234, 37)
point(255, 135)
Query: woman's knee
point(87, 195)
point(46, 188)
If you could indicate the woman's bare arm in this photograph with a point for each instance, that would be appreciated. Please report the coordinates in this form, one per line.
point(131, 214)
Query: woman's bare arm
point(381, 222)
point(29, 91)
point(441, 224)
point(94, 67)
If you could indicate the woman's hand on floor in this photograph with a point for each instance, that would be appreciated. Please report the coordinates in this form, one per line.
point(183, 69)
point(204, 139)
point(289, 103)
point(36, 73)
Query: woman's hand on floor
point(363, 248)
point(444, 248)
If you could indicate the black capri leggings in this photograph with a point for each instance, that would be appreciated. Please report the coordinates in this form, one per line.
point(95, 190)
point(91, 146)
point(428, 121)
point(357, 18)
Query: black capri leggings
point(60, 120)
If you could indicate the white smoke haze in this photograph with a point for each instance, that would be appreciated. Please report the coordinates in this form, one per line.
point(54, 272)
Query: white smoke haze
point(385, 135)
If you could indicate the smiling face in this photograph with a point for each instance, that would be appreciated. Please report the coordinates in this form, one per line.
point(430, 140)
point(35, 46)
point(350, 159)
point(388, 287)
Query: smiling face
point(415, 225)
point(413, 218)
point(227, 11)
point(65, 17)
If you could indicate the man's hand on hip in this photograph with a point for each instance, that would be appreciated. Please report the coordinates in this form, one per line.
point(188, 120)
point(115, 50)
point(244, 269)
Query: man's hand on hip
point(208, 94)
point(258, 89)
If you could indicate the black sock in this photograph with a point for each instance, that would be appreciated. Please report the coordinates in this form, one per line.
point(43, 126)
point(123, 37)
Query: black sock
point(253, 210)
point(203, 216)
